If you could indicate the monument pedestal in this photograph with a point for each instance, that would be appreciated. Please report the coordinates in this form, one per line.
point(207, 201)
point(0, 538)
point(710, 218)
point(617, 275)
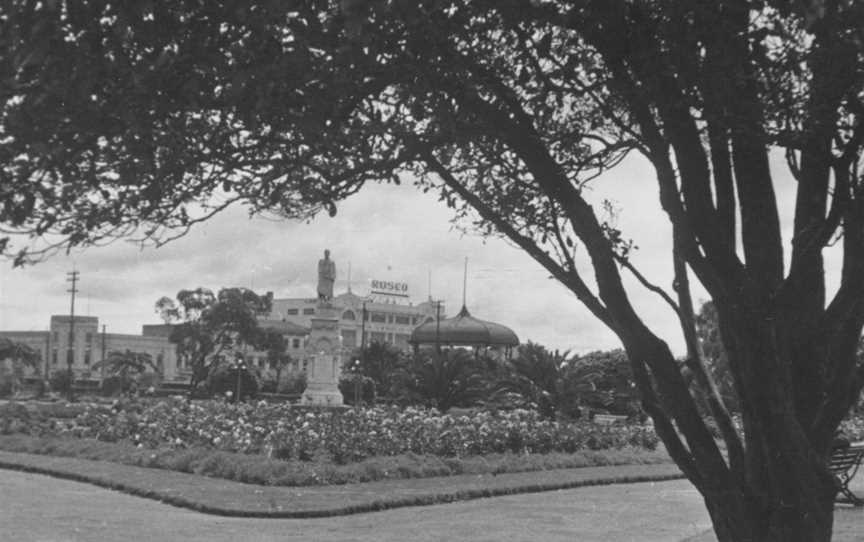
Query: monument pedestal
point(324, 355)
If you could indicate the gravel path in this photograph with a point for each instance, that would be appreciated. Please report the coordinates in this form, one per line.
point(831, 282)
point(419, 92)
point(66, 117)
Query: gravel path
point(37, 508)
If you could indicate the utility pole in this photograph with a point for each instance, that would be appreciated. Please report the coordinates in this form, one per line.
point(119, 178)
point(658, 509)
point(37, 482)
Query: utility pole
point(102, 365)
point(72, 277)
point(438, 327)
point(363, 328)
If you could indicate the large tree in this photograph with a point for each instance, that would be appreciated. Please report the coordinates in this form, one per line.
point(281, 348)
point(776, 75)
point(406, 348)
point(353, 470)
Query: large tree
point(122, 118)
point(206, 327)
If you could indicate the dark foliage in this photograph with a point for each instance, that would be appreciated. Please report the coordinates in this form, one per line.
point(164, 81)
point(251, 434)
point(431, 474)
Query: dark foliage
point(239, 383)
point(145, 118)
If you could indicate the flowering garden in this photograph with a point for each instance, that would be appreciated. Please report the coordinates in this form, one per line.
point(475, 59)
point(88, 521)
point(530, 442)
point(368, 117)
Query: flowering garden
point(280, 444)
point(282, 431)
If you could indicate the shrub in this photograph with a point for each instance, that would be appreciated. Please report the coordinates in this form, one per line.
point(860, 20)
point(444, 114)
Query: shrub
point(7, 384)
point(114, 385)
point(269, 385)
point(353, 383)
point(148, 380)
point(60, 381)
point(293, 383)
point(225, 381)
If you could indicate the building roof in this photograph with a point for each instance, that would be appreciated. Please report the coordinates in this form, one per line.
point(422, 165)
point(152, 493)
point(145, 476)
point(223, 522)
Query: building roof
point(464, 330)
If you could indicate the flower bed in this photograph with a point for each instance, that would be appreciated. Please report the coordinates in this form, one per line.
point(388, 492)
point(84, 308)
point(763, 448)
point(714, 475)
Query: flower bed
point(286, 432)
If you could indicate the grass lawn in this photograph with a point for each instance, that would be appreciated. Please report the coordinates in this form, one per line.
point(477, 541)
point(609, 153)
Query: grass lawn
point(38, 508)
point(257, 469)
point(223, 497)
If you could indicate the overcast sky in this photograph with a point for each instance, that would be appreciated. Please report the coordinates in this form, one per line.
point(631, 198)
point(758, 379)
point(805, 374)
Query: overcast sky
point(385, 232)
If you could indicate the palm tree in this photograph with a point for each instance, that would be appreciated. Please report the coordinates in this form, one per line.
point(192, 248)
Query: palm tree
point(603, 380)
point(21, 356)
point(382, 363)
point(536, 375)
point(453, 378)
point(127, 365)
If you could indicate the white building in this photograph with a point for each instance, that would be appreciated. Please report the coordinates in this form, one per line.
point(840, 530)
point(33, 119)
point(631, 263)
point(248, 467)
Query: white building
point(380, 318)
point(91, 345)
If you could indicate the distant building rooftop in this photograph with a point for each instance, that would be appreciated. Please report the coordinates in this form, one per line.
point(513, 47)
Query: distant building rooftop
point(464, 330)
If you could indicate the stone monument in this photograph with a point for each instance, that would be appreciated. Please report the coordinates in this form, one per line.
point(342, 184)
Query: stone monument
point(324, 349)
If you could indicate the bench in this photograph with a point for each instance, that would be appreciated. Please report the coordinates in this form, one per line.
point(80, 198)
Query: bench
point(844, 463)
point(608, 419)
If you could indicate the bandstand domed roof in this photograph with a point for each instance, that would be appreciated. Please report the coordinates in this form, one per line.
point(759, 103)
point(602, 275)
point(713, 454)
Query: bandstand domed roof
point(464, 330)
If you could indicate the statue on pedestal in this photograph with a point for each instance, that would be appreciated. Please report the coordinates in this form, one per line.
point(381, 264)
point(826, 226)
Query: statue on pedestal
point(324, 348)
point(326, 277)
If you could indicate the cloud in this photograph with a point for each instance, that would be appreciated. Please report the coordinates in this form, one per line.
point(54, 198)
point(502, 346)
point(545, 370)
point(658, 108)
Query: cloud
point(384, 232)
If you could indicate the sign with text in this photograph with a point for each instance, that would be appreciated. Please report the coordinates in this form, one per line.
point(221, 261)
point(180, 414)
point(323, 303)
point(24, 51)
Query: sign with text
point(389, 287)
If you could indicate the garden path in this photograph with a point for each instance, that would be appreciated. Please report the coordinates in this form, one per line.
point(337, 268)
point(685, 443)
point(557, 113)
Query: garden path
point(37, 508)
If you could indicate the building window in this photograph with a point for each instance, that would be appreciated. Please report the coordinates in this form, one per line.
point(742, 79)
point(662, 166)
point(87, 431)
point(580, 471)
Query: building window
point(379, 317)
point(308, 311)
point(403, 320)
point(389, 318)
point(56, 337)
point(289, 312)
point(349, 338)
point(54, 356)
point(295, 343)
point(348, 315)
point(88, 348)
point(401, 340)
point(378, 337)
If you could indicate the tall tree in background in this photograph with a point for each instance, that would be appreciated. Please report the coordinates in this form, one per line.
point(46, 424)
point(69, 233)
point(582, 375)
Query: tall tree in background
point(383, 364)
point(144, 118)
point(207, 326)
point(275, 346)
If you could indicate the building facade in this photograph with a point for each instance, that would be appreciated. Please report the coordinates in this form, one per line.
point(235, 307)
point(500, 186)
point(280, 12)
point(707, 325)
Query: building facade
point(90, 345)
point(362, 320)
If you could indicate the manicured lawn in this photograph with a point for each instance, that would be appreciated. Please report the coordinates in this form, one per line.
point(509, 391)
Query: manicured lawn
point(36, 508)
point(236, 499)
point(261, 470)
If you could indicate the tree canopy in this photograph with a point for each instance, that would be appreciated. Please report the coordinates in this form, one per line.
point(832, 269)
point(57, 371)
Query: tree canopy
point(144, 118)
point(207, 325)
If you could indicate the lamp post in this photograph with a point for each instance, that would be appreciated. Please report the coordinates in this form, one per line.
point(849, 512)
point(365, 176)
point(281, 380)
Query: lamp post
point(357, 377)
point(240, 366)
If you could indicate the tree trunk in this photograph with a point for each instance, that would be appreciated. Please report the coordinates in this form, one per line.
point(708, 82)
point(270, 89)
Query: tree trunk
point(787, 492)
point(779, 488)
point(789, 512)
